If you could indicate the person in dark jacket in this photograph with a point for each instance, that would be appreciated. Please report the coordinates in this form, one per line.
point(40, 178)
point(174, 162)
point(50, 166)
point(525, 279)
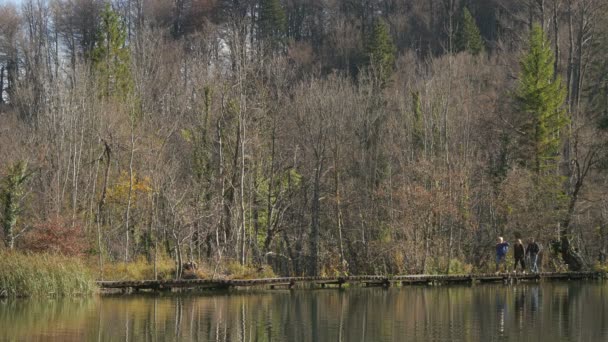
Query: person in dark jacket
point(519, 255)
point(501, 253)
point(532, 251)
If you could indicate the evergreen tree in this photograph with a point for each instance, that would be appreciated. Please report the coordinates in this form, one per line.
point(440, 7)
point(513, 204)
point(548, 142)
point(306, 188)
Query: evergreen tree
point(11, 193)
point(468, 37)
point(381, 50)
point(540, 96)
point(272, 23)
point(111, 58)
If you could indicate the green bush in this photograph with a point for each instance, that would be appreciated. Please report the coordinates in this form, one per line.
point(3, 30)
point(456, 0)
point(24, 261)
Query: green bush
point(43, 275)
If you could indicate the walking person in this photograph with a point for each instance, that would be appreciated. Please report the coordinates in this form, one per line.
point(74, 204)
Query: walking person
point(502, 247)
point(532, 251)
point(519, 255)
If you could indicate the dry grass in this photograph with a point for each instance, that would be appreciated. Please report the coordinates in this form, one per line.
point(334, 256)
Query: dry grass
point(234, 270)
point(139, 269)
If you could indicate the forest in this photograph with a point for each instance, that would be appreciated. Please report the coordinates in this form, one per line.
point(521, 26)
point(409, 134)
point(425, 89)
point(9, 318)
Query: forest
point(308, 137)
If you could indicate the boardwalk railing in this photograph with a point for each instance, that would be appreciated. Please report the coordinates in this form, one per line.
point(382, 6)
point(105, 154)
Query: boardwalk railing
point(385, 281)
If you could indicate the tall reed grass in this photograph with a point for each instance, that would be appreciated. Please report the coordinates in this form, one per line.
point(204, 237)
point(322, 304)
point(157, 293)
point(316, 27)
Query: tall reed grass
point(43, 275)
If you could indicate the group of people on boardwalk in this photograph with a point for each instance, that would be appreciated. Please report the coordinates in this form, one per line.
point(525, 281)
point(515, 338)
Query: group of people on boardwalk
point(520, 254)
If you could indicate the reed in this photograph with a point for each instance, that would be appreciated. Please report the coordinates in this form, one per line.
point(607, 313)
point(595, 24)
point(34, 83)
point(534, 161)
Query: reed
point(140, 269)
point(43, 275)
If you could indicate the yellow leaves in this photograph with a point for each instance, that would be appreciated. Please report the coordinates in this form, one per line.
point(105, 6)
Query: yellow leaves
point(119, 193)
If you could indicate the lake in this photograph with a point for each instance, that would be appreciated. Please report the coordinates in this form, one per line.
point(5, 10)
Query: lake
point(548, 311)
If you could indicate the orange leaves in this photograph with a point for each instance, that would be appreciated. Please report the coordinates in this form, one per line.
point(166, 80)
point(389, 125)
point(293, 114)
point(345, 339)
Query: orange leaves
point(57, 235)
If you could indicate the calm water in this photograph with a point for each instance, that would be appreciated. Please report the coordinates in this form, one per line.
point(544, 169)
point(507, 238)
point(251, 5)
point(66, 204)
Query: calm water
point(533, 312)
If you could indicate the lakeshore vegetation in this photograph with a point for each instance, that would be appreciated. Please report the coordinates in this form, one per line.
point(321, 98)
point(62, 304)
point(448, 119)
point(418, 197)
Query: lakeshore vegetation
point(297, 137)
point(43, 275)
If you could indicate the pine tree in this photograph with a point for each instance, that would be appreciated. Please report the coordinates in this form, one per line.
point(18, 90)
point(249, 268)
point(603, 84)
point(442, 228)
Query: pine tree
point(111, 58)
point(540, 96)
point(272, 23)
point(381, 50)
point(468, 37)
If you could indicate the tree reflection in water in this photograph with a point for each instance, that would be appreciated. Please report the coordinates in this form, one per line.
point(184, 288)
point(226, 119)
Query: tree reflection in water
point(540, 312)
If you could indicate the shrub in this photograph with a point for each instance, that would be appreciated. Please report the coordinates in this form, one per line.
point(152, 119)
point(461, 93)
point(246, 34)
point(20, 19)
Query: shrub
point(56, 235)
point(438, 266)
point(458, 267)
point(598, 267)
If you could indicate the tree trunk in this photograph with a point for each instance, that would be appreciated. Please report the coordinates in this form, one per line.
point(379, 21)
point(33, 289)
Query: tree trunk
point(450, 244)
point(243, 235)
point(530, 14)
point(315, 220)
point(269, 204)
point(427, 240)
point(102, 201)
point(178, 256)
point(541, 7)
point(2, 85)
point(338, 206)
point(570, 256)
point(556, 37)
point(569, 75)
point(231, 189)
point(579, 62)
point(222, 177)
point(128, 210)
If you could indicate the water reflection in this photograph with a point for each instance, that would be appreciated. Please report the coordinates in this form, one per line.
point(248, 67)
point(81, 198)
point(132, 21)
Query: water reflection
point(545, 312)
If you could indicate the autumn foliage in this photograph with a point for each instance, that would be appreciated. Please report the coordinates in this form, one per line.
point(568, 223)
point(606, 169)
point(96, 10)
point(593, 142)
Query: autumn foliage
point(57, 235)
point(317, 137)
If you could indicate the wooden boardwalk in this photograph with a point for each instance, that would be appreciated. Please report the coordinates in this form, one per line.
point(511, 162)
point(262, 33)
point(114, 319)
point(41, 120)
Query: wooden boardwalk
point(322, 282)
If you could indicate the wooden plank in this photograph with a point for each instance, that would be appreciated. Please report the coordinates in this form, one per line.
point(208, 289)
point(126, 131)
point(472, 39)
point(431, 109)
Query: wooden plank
point(288, 285)
point(377, 282)
point(489, 277)
point(416, 281)
point(368, 280)
point(338, 281)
